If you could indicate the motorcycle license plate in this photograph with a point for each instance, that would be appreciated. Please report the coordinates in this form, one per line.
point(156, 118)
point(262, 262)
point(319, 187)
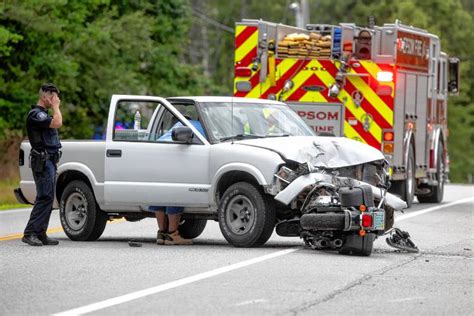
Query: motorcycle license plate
point(379, 220)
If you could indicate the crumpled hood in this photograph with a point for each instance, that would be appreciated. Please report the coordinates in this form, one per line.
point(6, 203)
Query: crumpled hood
point(328, 152)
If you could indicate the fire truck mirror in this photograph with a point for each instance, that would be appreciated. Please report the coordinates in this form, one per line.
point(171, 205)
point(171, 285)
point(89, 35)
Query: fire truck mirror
point(454, 76)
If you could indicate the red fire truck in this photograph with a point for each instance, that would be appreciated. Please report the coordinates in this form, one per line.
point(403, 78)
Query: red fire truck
point(386, 86)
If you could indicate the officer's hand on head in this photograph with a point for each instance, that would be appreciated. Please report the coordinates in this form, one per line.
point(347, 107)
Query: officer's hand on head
point(55, 101)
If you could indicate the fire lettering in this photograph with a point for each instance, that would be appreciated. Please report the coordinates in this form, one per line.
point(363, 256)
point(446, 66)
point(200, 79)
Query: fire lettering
point(411, 46)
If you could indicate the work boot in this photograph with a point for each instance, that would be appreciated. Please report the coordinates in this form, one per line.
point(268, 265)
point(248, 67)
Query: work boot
point(161, 237)
point(176, 239)
point(47, 241)
point(31, 240)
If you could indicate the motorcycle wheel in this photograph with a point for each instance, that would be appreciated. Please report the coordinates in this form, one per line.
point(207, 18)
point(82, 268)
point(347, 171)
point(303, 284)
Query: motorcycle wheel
point(357, 245)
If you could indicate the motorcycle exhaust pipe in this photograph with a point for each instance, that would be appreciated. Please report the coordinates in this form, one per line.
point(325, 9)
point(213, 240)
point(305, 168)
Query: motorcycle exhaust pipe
point(322, 243)
point(336, 243)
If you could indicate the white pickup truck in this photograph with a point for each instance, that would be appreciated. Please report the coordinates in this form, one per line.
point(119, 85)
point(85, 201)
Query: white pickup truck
point(250, 164)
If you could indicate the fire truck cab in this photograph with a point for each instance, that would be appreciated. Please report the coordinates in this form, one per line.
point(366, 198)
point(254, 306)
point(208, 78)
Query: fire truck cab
point(386, 86)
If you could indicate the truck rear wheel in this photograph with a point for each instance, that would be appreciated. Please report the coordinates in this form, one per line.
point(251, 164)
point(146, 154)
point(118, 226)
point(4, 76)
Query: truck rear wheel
point(436, 191)
point(357, 245)
point(406, 188)
point(192, 228)
point(80, 215)
point(246, 215)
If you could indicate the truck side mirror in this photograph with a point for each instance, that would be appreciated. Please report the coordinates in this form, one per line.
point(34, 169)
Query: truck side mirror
point(182, 134)
point(454, 76)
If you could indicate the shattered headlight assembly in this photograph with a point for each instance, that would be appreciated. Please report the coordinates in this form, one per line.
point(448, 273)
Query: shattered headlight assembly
point(288, 175)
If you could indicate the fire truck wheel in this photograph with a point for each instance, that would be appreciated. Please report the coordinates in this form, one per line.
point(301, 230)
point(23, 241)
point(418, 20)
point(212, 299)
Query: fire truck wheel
point(406, 188)
point(437, 191)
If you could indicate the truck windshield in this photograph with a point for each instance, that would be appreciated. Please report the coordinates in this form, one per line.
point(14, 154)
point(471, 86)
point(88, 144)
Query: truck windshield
point(251, 120)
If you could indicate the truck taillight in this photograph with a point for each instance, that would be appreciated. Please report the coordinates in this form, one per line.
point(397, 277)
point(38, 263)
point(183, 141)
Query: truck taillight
point(243, 72)
point(388, 136)
point(367, 220)
point(388, 148)
point(387, 142)
point(385, 76)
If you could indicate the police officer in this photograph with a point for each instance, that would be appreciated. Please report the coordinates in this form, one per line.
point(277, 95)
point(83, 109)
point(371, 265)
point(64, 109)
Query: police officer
point(45, 154)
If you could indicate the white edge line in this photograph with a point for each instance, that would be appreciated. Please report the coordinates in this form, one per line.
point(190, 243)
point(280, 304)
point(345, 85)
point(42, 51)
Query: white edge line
point(432, 209)
point(167, 286)
point(18, 210)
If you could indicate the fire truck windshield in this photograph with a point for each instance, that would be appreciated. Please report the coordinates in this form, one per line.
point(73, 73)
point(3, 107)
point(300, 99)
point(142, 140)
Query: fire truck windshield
point(251, 120)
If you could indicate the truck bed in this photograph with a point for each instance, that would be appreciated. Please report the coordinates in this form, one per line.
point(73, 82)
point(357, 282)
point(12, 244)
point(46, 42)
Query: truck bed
point(88, 153)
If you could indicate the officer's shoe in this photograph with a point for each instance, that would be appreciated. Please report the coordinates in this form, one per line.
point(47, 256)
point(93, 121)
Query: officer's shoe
point(47, 241)
point(176, 239)
point(32, 240)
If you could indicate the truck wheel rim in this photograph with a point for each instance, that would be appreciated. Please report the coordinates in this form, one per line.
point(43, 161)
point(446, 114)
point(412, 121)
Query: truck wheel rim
point(76, 211)
point(240, 215)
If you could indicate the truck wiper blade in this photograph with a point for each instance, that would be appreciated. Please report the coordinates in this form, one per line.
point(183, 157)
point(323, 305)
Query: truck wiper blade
point(241, 136)
point(278, 135)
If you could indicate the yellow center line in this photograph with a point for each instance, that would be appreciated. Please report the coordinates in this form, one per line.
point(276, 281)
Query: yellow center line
point(49, 231)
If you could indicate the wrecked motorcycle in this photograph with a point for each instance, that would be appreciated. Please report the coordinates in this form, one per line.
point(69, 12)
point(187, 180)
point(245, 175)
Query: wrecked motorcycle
point(334, 203)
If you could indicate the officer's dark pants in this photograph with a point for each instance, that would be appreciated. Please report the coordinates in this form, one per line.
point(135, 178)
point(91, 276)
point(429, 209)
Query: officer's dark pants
point(39, 218)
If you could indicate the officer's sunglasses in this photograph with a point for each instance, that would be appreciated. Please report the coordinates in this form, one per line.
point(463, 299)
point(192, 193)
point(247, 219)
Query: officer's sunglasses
point(52, 89)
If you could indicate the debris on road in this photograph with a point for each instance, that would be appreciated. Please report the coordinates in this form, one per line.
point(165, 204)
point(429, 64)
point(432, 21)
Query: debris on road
point(400, 239)
point(133, 243)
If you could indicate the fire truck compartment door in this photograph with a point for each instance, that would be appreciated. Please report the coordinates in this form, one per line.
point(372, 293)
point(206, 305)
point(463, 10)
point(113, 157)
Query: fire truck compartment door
point(324, 118)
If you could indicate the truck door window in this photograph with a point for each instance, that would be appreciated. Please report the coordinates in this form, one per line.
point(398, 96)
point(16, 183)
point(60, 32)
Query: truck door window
point(167, 121)
point(132, 120)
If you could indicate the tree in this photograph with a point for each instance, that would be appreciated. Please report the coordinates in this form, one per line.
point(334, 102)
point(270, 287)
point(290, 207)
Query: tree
point(90, 49)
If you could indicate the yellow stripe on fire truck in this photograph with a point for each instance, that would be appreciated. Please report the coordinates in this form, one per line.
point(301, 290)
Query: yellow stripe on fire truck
point(239, 29)
point(345, 98)
point(249, 44)
point(371, 96)
point(351, 133)
point(373, 69)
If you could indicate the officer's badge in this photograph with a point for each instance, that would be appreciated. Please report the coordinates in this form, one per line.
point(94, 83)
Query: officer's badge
point(42, 116)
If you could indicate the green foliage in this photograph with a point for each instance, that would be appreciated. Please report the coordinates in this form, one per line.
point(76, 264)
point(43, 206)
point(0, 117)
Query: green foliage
point(91, 50)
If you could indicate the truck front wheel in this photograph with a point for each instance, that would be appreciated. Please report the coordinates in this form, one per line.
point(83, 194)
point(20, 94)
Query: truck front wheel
point(246, 215)
point(80, 215)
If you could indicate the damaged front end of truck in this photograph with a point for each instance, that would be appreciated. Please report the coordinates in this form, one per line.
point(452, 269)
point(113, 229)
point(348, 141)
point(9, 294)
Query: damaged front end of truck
point(334, 196)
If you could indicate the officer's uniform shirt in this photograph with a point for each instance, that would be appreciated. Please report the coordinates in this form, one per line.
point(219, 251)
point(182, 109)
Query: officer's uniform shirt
point(40, 135)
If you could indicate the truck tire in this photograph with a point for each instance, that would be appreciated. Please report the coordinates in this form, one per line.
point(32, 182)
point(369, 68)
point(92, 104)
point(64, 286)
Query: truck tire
point(81, 218)
point(406, 188)
point(246, 215)
point(357, 245)
point(437, 191)
point(192, 228)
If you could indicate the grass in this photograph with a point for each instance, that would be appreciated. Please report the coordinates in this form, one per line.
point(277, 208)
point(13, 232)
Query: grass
point(7, 198)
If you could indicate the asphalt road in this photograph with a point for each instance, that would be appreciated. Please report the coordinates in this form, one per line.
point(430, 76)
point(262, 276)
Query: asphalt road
point(108, 277)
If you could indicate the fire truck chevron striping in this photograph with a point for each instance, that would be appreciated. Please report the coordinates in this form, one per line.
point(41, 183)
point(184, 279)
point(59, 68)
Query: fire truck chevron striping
point(391, 93)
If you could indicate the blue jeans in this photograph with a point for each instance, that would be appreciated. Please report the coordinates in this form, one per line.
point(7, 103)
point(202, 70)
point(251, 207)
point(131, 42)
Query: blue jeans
point(45, 185)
